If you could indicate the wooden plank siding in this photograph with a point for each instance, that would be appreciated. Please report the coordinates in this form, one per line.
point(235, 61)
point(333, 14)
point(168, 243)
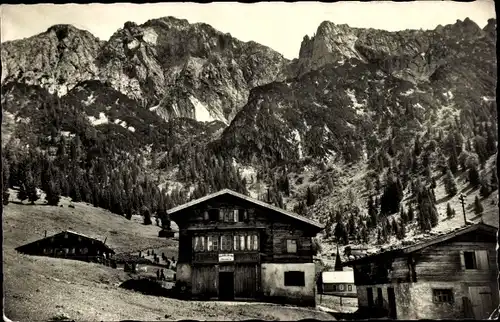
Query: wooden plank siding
point(245, 284)
point(435, 263)
point(273, 231)
point(205, 281)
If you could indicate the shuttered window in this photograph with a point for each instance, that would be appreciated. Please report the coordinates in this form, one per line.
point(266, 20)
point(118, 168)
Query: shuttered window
point(242, 242)
point(474, 260)
point(236, 242)
point(225, 244)
point(242, 215)
point(291, 246)
point(255, 243)
point(210, 244)
point(236, 216)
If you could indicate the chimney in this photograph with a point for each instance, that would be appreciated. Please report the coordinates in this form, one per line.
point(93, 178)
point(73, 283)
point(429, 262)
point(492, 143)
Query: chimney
point(45, 234)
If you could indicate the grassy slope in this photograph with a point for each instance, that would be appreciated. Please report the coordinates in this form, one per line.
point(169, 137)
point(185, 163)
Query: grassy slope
point(42, 288)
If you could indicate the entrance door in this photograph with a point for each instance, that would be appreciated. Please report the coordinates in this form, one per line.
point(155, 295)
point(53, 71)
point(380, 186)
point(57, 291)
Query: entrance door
point(369, 295)
point(226, 286)
point(482, 304)
point(392, 302)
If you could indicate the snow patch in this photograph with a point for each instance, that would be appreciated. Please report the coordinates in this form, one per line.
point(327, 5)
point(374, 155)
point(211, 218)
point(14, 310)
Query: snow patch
point(358, 107)
point(298, 139)
point(448, 95)
point(103, 119)
point(154, 108)
point(67, 134)
point(202, 114)
point(150, 36)
point(408, 92)
point(489, 98)
point(89, 100)
point(133, 44)
point(131, 129)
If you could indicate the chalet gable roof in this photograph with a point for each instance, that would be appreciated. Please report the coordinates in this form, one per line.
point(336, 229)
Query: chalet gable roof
point(247, 198)
point(68, 232)
point(437, 240)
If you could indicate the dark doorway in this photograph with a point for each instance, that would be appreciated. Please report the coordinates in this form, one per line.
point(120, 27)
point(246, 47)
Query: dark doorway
point(226, 286)
point(369, 294)
point(392, 302)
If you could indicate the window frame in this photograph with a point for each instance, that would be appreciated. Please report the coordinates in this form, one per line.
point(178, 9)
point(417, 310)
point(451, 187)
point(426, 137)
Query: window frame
point(289, 277)
point(349, 288)
point(474, 260)
point(291, 240)
point(443, 296)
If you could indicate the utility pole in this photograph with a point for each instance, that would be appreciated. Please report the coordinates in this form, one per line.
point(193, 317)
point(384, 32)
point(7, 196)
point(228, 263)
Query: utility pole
point(462, 201)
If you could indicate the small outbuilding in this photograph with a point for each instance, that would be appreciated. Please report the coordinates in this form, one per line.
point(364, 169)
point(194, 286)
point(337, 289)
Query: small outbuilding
point(71, 245)
point(339, 283)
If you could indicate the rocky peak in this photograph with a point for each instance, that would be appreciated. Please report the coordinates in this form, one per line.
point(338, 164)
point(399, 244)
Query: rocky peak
point(491, 29)
point(57, 59)
point(406, 54)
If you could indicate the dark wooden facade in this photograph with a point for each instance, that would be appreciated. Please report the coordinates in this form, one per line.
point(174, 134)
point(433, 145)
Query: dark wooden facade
point(450, 276)
point(226, 240)
point(71, 245)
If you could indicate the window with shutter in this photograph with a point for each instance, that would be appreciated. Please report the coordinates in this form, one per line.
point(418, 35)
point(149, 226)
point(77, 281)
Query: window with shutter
point(341, 287)
point(221, 214)
point(202, 243)
point(470, 260)
point(249, 242)
point(235, 215)
point(205, 215)
point(482, 259)
point(291, 246)
point(210, 245)
point(225, 243)
point(242, 215)
point(255, 242)
point(216, 243)
point(242, 242)
point(236, 242)
point(349, 287)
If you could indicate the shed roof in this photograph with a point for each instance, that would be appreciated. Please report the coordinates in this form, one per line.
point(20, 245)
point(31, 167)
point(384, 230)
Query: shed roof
point(247, 198)
point(20, 248)
point(436, 240)
point(338, 277)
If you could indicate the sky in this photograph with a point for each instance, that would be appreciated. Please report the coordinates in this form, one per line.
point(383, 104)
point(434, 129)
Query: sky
point(278, 25)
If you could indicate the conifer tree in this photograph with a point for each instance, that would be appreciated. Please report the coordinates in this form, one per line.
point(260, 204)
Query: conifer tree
point(478, 207)
point(494, 179)
point(449, 184)
point(411, 214)
point(449, 211)
point(52, 194)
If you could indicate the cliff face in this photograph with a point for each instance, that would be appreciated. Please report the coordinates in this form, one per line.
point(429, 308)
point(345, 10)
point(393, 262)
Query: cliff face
point(168, 65)
point(57, 59)
point(412, 55)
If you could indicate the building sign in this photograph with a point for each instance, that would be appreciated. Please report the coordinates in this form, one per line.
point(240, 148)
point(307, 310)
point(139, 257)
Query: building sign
point(226, 257)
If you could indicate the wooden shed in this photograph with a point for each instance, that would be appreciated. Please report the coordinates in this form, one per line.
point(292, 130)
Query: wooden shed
point(452, 276)
point(339, 283)
point(71, 245)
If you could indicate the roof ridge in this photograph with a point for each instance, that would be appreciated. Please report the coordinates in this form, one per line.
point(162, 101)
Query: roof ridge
point(248, 198)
